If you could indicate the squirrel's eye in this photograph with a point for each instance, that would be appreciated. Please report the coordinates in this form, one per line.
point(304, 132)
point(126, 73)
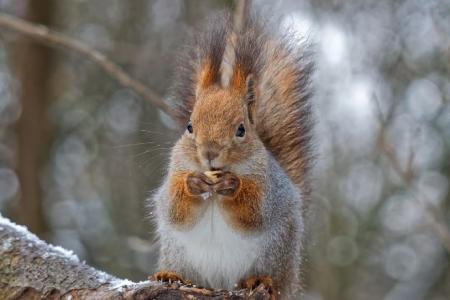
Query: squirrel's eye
point(240, 132)
point(189, 127)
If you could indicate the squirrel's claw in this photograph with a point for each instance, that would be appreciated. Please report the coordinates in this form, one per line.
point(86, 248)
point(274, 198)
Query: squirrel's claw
point(198, 183)
point(254, 282)
point(168, 276)
point(228, 185)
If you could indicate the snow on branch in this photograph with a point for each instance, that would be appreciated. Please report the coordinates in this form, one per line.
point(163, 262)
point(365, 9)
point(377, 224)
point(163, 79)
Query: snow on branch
point(32, 269)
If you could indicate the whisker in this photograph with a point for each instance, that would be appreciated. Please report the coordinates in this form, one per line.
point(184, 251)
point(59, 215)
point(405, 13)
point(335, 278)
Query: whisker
point(149, 151)
point(154, 164)
point(134, 145)
point(152, 132)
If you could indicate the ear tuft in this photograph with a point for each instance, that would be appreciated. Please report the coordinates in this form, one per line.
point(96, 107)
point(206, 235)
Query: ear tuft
point(208, 76)
point(211, 47)
point(250, 97)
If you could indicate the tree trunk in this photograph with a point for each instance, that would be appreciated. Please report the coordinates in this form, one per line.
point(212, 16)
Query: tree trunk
point(33, 71)
point(32, 269)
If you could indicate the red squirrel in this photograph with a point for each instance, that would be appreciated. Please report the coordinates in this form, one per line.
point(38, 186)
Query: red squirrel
point(230, 210)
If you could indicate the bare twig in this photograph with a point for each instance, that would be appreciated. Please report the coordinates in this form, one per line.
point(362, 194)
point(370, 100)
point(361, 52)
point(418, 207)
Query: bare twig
point(48, 37)
point(408, 175)
point(240, 13)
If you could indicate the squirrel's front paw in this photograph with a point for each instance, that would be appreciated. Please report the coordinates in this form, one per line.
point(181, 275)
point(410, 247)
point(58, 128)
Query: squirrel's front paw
point(168, 276)
point(228, 185)
point(198, 183)
point(252, 283)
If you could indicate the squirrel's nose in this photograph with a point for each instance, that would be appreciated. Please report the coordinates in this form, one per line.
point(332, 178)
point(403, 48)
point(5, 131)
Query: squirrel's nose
point(211, 155)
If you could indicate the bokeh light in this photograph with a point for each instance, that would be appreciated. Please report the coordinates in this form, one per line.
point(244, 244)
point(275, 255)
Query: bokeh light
point(381, 107)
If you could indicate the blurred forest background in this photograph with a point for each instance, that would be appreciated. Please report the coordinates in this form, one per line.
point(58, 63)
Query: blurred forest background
point(79, 154)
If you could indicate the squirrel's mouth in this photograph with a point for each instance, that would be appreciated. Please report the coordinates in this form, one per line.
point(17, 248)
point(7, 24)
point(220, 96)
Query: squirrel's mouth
point(214, 167)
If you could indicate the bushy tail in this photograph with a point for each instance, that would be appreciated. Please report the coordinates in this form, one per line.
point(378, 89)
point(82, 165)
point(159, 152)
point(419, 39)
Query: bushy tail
point(284, 112)
point(281, 70)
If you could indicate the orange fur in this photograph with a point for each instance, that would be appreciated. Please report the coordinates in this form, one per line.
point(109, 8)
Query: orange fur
point(168, 276)
point(238, 81)
point(254, 282)
point(215, 118)
point(243, 210)
point(185, 207)
point(208, 76)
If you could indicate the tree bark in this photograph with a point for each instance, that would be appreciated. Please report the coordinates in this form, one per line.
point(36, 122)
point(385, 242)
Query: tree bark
point(32, 269)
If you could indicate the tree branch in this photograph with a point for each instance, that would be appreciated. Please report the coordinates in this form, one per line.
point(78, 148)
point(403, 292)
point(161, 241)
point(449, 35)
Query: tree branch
point(48, 37)
point(240, 13)
point(32, 269)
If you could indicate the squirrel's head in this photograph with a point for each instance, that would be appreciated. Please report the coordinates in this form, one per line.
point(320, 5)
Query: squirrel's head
point(221, 127)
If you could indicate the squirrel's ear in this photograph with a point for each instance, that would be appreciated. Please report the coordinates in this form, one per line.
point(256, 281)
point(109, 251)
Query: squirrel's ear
point(250, 98)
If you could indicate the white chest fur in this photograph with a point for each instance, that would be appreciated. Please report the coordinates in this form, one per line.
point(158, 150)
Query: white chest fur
point(220, 254)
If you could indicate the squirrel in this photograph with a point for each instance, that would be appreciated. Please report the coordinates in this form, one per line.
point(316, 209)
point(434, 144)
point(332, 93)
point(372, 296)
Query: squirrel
point(230, 211)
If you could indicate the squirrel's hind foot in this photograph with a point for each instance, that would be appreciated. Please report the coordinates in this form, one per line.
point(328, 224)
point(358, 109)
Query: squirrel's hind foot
point(169, 276)
point(255, 282)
